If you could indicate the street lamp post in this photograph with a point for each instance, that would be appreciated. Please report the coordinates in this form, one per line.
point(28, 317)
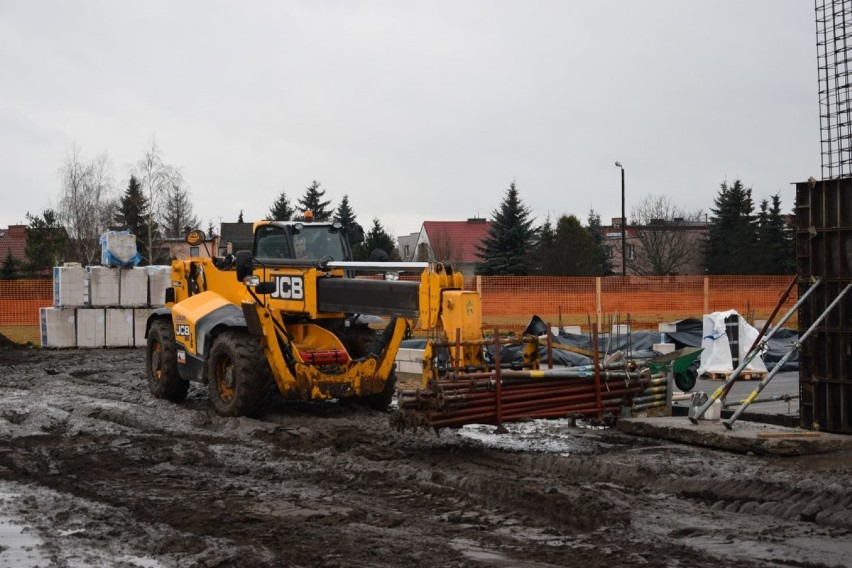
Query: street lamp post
point(623, 225)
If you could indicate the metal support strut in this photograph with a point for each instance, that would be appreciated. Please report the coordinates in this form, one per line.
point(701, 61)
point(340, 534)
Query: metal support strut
point(697, 413)
point(793, 348)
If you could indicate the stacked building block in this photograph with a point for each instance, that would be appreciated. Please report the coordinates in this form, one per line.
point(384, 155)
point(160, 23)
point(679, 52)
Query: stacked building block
point(102, 306)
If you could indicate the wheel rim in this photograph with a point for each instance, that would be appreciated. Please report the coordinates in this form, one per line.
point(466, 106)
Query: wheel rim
point(225, 379)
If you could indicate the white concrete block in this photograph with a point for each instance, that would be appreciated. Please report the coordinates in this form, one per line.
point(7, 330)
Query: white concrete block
point(91, 327)
point(572, 329)
point(621, 329)
point(134, 288)
point(68, 286)
point(140, 319)
point(58, 327)
point(119, 327)
point(669, 327)
point(664, 348)
point(103, 286)
point(409, 367)
point(159, 280)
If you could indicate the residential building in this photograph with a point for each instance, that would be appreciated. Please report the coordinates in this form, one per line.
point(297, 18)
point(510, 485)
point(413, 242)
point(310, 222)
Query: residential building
point(694, 237)
point(453, 242)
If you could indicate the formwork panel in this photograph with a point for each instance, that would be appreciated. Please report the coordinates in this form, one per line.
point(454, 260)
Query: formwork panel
point(824, 250)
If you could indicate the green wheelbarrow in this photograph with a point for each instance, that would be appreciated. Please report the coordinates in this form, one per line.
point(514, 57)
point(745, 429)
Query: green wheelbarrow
point(680, 363)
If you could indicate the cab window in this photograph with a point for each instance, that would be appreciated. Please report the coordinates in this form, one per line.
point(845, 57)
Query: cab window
point(271, 242)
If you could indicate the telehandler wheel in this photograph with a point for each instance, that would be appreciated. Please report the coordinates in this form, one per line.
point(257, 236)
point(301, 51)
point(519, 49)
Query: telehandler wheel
point(161, 363)
point(381, 401)
point(238, 375)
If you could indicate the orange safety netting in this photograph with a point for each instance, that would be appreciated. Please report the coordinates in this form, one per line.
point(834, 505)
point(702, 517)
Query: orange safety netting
point(508, 302)
point(20, 301)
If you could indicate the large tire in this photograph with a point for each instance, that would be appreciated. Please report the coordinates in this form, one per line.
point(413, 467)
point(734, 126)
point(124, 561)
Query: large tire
point(161, 363)
point(381, 401)
point(238, 375)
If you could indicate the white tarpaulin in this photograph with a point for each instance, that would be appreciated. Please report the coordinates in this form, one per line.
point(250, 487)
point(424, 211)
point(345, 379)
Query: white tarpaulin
point(716, 341)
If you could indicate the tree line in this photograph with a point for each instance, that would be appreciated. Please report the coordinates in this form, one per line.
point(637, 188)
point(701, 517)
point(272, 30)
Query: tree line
point(737, 239)
point(156, 204)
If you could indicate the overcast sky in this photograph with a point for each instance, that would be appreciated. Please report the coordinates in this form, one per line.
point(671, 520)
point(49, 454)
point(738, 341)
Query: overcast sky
point(417, 110)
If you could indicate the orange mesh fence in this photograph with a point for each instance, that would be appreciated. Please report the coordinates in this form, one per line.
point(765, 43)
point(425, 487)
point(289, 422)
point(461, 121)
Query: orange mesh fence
point(20, 301)
point(508, 302)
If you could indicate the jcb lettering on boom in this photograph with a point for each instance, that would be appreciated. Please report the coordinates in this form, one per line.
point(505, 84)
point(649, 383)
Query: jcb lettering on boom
point(289, 288)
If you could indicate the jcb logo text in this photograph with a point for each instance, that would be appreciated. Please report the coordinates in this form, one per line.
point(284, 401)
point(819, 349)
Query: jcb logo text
point(289, 288)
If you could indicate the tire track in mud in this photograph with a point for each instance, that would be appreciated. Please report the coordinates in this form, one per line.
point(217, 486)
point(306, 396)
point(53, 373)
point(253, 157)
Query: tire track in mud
point(322, 485)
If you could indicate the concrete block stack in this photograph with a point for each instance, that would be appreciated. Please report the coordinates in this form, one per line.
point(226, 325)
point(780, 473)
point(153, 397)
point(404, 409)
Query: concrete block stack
point(102, 306)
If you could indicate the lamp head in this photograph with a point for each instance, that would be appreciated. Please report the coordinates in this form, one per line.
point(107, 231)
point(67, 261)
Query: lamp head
point(618, 164)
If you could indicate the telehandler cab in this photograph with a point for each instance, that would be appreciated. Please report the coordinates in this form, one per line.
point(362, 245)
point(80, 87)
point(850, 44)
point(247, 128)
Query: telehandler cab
point(292, 313)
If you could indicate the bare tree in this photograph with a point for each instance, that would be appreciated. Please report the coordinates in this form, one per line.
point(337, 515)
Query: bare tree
point(667, 241)
point(177, 211)
point(157, 178)
point(444, 249)
point(86, 203)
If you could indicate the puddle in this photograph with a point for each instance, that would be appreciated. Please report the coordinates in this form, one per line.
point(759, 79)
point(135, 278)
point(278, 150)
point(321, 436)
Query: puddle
point(541, 436)
point(18, 546)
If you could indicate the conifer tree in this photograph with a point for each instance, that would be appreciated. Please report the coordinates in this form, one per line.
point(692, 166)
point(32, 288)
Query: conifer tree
point(729, 247)
point(282, 209)
point(507, 247)
point(312, 201)
point(345, 216)
point(47, 242)
point(573, 252)
point(595, 229)
point(775, 240)
point(133, 215)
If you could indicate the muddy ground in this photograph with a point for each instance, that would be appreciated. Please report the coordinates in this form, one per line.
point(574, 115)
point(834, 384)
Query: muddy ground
point(94, 472)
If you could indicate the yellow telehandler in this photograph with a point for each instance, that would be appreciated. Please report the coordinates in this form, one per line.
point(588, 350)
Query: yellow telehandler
point(293, 312)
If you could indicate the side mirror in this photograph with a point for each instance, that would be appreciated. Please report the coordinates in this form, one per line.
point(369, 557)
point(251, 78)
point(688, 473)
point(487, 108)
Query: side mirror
point(378, 255)
point(355, 233)
point(244, 264)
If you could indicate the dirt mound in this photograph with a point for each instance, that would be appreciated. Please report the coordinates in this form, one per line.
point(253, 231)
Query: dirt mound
point(6, 343)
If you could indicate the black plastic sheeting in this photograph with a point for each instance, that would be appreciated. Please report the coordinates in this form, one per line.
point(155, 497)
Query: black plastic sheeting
point(636, 345)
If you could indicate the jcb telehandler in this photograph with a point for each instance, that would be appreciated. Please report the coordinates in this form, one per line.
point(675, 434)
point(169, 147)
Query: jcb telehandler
point(292, 312)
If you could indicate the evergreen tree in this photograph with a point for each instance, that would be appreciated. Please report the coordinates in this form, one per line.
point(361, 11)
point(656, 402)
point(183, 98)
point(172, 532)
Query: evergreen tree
point(775, 240)
point(47, 242)
point(376, 238)
point(345, 216)
point(312, 201)
point(178, 215)
point(595, 229)
point(574, 252)
point(282, 209)
point(132, 215)
point(506, 248)
point(544, 246)
point(240, 218)
point(729, 247)
point(10, 267)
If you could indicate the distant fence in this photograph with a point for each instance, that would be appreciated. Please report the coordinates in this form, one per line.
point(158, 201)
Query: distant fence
point(508, 302)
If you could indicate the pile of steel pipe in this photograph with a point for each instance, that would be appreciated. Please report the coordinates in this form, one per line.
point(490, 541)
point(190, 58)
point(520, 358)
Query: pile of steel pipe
point(655, 394)
point(462, 399)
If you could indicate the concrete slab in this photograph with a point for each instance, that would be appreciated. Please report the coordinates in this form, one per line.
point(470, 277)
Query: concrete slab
point(746, 436)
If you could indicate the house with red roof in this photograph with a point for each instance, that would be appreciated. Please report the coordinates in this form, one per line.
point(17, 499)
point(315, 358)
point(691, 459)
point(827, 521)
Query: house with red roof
point(14, 240)
point(453, 242)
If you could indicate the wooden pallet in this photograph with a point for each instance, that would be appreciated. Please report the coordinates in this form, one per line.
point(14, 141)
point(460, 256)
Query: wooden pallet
point(744, 376)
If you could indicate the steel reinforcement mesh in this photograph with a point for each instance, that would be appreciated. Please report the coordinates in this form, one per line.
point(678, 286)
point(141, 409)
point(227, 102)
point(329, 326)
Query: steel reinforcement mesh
point(508, 302)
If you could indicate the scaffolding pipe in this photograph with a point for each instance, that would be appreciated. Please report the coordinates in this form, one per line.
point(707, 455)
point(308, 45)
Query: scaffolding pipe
point(729, 423)
point(697, 413)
